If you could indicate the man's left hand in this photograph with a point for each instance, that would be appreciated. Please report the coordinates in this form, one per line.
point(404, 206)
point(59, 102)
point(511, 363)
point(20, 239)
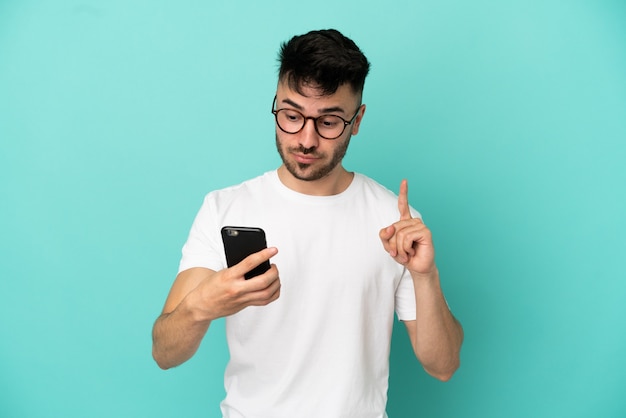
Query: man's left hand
point(408, 240)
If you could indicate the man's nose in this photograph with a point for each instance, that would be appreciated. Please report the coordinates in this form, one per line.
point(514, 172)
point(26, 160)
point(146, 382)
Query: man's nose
point(309, 138)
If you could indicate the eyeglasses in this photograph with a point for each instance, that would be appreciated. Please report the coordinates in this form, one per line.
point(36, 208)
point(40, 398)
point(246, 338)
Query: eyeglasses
point(291, 121)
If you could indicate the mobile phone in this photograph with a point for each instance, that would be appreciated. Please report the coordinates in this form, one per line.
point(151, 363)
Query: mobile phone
point(240, 242)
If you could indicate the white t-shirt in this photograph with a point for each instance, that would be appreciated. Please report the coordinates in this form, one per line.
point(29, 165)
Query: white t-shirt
point(321, 349)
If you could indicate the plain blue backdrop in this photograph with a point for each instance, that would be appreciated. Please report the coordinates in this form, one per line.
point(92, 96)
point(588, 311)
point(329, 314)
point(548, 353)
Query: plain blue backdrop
point(508, 119)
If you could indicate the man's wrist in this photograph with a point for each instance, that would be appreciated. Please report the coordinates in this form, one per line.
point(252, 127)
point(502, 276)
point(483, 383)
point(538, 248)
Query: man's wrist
point(430, 276)
point(195, 310)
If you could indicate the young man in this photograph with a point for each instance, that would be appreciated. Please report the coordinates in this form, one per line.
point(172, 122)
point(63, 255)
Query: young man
point(313, 341)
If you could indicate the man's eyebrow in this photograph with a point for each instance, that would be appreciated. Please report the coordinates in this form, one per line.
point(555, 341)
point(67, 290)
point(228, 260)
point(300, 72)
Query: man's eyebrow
point(334, 109)
point(292, 103)
point(331, 109)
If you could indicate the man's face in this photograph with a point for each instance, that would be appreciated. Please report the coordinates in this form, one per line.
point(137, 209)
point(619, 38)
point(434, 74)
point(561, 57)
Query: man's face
point(306, 155)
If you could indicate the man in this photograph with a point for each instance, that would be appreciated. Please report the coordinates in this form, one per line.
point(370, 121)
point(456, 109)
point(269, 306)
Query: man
point(313, 341)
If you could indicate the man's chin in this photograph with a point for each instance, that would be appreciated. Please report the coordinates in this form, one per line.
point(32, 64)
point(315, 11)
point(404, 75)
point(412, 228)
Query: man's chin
point(304, 172)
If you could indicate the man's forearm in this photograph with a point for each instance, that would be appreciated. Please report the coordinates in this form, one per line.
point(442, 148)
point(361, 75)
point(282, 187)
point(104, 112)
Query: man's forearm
point(176, 336)
point(438, 335)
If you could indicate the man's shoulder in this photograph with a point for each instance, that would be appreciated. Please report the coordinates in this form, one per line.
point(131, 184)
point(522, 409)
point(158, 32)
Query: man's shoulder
point(380, 196)
point(251, 184)
point(372, 186)
point(249, 189)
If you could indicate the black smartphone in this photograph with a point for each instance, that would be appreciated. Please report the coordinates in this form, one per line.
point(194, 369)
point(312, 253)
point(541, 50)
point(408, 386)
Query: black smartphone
point(240, 242)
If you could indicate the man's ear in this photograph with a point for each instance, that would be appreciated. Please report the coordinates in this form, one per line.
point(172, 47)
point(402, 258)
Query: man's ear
point(357, 121)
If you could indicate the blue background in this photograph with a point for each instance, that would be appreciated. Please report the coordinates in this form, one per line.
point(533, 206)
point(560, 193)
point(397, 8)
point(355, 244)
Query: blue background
point(508, 119)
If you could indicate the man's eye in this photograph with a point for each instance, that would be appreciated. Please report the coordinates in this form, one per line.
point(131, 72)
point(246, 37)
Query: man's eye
point(292, 116)
point(329, 122)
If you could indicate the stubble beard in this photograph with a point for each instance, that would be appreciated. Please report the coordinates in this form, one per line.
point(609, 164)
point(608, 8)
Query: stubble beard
point(300, 171)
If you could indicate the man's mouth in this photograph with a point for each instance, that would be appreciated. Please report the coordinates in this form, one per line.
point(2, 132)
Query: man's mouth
point(305, 158)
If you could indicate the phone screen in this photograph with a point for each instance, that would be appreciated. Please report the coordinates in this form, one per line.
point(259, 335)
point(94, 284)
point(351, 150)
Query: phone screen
point(240, 242)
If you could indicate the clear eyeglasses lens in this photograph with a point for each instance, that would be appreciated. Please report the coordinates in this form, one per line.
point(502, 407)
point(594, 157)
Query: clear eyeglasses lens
point(292, 121)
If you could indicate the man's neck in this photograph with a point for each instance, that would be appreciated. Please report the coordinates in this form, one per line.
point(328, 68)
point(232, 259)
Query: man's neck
point(334, 183)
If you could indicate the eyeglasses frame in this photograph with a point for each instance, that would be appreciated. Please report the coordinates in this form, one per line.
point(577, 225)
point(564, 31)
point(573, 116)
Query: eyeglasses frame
point(314, 119)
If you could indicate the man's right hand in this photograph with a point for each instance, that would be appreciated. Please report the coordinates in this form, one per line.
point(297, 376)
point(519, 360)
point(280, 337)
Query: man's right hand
point(199, 295)
point(227, 292)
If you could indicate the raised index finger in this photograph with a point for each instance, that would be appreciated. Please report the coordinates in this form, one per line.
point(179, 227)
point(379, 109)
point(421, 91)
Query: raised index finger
point(403, 200)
